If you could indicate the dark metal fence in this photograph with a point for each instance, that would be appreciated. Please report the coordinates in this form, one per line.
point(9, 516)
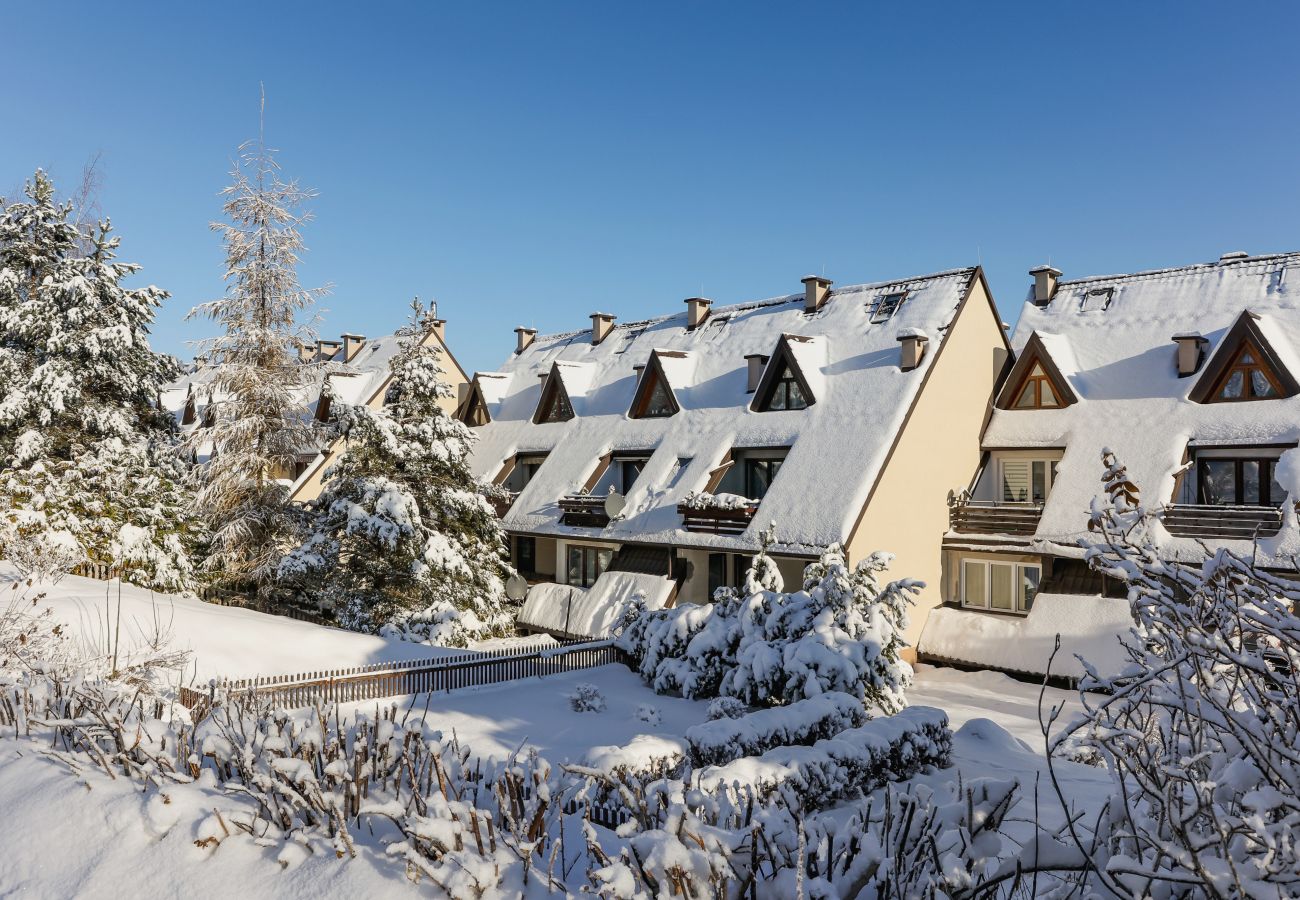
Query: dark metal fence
point(397, 679)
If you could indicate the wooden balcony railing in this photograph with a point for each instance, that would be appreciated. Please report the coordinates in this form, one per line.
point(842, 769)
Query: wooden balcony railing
point(993, 517)
point(501, 504)
point(716, 520)
point(1222, 522)
point(584, 509)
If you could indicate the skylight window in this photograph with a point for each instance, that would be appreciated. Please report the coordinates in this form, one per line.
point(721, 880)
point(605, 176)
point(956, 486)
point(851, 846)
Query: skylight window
point(886, 306)
point(1097, 299)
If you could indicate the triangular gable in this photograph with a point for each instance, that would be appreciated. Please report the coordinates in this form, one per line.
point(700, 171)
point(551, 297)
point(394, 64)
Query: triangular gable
point(1035, 381)
point(474, 411)
point(784, 385)
point(1246, 366)
point(555, 405)
point(654, 397)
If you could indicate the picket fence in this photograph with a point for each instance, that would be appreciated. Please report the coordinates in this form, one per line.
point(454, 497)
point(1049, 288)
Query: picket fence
point(418, 676)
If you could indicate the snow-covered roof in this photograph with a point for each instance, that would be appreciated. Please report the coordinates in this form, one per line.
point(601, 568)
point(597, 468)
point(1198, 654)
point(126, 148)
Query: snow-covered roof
point(1119, 358)
point(836, 446)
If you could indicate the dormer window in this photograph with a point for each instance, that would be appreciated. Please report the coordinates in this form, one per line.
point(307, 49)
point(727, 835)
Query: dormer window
point(559, 409)
point(786, 392)
point(1247, 378)
point(654, 398)
point(1037, 391)
point(886, 306)
point(783, 385)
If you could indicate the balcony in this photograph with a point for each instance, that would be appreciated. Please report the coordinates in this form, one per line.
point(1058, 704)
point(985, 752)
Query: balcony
point(717, 514)
point(968, 516)
point(584, 509)
point(1239, 523)
point(502, 500)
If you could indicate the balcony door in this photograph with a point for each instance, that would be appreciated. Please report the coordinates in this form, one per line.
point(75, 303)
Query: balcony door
point(1026, 480)
point(1238, 482)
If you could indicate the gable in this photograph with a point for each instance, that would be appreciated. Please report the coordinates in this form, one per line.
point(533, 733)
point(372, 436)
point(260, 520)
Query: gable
point(1246, 366)
point(555, 405)
point(474, 412)
point(784, 385)
point(654, 397)
point(1035, 381)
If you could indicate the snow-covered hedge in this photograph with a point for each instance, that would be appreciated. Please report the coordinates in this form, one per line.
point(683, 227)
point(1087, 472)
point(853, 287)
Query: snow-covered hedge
point(802, 722)
point(850, 764)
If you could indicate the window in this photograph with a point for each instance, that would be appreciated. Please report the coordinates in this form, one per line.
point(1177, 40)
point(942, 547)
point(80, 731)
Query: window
point(1037, 391)
point(717, 572)
point(1238, 482)
point(586, 564)
point(759, 475)
point(1097, 299)
point(999, 586)
point(525, 467)
point(526, 554)
point(787, 392)
point(1027, 480)
point(1246, 378)
point(630, 470)
point(886, 306)
point(654, 400)
point(557, 407)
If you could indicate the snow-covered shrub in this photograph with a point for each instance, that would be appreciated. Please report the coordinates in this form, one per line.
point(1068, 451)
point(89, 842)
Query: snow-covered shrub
point(801, 722)
point(850, 764)
point(705, 500)
point(649, 713)
point(586, 698)
point(38, 552)
point(400, 539)
point(842, 632)
point(1199, 733)
point(725, 708)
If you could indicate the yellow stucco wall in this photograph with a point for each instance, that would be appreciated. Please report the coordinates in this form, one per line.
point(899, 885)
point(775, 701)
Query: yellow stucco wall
point(314, 479)
point(937, 451)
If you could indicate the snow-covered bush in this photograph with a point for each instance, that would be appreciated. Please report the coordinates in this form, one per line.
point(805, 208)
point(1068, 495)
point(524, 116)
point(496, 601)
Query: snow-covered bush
point(649, 713)
point(84, 448)
point(725, 708)
point(704, 500)
point(1200, 732)
point(842, 632)
point(586, 698)
point(851, 763)
point(400, 540)
point(801, 722)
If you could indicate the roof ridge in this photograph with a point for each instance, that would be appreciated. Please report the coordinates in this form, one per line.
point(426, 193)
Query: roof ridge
point(1153, 273)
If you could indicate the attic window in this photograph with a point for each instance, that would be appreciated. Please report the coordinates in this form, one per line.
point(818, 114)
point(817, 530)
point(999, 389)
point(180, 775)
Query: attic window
point(1096, 300)
point(886, 306)
point(656, 401)
point(786, 392)
point(1036, 391)
point(555, 405)
point(1246, 378)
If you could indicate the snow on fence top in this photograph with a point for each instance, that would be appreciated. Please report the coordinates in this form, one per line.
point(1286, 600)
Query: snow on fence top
point(849, 356)
point(1112, 338)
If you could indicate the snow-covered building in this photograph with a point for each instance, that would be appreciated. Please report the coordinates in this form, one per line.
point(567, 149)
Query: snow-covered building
point(647, 457)
point(351, 370)
point(1191, 376)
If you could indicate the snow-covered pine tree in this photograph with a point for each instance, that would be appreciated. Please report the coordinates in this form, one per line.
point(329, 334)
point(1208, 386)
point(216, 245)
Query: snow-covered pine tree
point(401, 539)
point(259, 421)
point(85, 451)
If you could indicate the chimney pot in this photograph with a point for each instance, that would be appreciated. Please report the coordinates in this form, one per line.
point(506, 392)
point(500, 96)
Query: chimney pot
point(697, 311)
point(912, 348)
point(524, 338)
point(1191, 352)
point(352, 344)
point(816, 291)
point(757, 362)
point(1045, 278)
point(601, 324)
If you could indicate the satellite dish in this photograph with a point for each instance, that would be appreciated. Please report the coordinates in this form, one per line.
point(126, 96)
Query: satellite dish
point(517, 587)
point(615, 503)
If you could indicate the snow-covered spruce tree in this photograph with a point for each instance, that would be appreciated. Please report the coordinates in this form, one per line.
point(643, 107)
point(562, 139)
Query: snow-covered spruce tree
point(1201, 732)
point(85, 451)
point(401, 539)
point(259, 421)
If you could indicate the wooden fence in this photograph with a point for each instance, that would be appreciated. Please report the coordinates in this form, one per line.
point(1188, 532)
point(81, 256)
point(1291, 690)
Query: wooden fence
point(418, 676)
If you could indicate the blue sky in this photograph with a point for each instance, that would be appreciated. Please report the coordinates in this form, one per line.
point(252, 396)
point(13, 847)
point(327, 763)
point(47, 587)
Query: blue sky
point(530, 163)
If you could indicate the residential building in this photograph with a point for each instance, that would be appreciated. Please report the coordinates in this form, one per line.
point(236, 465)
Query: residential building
point(1190, 375)
point(647, 457)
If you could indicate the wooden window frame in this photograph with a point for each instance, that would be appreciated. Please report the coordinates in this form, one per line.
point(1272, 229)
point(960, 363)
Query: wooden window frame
point(1267, 473)
point(1248, 384)
point(1037, 381)
point(586, 550)
point(1018, 605)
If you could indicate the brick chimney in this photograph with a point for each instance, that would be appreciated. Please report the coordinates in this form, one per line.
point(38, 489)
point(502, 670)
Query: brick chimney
point(1191, 350)
point(816, 290)
point(757, 362)
point(1045, 278)
point(697, 311)
point(352, 344)
point(912, 348)
point(524, 338)
point(601, 324)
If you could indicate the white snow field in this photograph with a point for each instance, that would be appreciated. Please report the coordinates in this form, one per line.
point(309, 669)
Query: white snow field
point(129, 841)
